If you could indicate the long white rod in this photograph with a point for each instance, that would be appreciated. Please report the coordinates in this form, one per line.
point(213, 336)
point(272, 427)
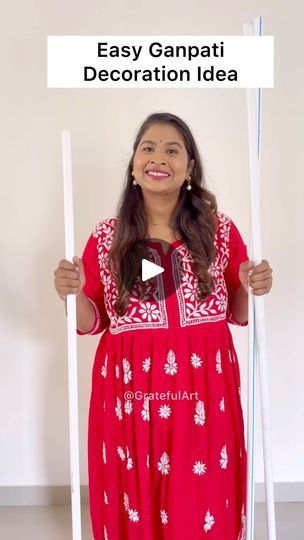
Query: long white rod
point(251, 399)
point(257, 336)
point(72, 338)
point(261, 341)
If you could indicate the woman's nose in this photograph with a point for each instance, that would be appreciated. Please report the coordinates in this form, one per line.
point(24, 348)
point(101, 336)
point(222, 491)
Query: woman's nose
point(158, 158)
point(157, 162)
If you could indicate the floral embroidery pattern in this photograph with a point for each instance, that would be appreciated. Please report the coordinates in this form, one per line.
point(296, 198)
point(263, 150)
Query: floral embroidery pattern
point(118, 408)
point(127, 371)
point(128, 406)
point(164, 411)
point(164, 465)
point(195, 360)
point(146, 364)
point(152, 313)
point(199, 468)
point(199, 415)
point(224, 457)
point(171, 366)
point(209, 521)
point(145, 413)
point(133, 514)
point(164, 516)
point(218, 362)
point(104, 367)
point(125, 456)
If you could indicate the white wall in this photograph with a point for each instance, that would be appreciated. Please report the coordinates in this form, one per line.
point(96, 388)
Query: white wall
point(34, 392)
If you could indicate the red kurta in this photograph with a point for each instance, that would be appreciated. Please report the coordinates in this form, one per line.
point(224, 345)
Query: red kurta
point(166, 448)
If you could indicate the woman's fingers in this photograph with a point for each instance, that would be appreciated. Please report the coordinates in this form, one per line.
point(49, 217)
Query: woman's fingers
point(68, 277)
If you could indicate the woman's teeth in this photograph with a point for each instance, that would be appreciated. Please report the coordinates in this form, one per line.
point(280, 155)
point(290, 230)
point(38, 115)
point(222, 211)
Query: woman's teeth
point(157, 174)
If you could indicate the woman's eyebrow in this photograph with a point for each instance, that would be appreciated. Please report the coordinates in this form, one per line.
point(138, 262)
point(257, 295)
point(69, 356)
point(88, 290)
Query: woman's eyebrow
point(172, 142)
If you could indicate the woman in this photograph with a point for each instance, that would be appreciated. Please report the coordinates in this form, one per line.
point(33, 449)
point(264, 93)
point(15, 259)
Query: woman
point(167, 458)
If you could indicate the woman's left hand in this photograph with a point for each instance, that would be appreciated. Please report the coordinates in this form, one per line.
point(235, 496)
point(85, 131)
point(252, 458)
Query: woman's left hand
point(258, 277)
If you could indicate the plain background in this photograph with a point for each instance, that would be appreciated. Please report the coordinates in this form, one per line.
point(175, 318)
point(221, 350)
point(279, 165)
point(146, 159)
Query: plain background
point(34, 446)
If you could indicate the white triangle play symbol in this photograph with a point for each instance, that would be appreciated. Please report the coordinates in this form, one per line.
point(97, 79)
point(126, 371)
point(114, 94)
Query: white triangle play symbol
point(149, 269)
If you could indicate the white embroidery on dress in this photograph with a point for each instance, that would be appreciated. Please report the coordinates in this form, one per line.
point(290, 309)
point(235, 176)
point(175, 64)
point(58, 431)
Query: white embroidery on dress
point(146, 364)
point(224, 457)
point(104, 367)
point(126, 502)
point(125, 456)
point(209, 521)
point(196, 360)
point(117, 371)
point(199, 468)
point(152, 313)
point(149, 311)
point(243, 533)
point(222, 404)
point(133, 514)
point(192, 310)
point(171, 366)
point(200, 415)
point(105, 498)
point(128, 406)
point(164, 411)
point(164, 516)
point(218, 362)
point(118, 408)
point(148, 462)
point(129, 460)
point(104, 452)
point(127, 371)
point(145, 411)
point(164, 464)
point(105, 533)
point(121, 453)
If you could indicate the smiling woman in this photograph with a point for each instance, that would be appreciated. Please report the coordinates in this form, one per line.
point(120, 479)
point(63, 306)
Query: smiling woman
point(173, 469)
point(161, 155)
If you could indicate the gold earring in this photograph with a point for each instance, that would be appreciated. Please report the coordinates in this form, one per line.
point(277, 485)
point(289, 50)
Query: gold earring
point(189, 186)
point(134, 181)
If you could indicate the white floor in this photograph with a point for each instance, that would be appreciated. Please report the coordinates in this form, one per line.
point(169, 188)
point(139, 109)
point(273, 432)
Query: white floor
point(54, 522)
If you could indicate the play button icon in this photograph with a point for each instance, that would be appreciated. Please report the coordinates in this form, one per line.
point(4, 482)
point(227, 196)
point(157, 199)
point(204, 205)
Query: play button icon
point(154, 269)
point(149, 269)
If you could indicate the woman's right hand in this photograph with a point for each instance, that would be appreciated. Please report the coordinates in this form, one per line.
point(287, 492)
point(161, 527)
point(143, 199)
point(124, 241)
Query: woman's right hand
point(69, 277)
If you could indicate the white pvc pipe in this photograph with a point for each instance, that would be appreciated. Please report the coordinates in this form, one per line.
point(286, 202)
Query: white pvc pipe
point(256, 320)
point(72, 339)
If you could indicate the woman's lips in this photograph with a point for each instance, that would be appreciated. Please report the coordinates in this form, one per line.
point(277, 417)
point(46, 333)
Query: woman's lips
point(157, 176)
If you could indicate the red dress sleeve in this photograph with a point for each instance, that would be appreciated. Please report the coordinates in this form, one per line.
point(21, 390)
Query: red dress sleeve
point(93, 288)
point(237, 255)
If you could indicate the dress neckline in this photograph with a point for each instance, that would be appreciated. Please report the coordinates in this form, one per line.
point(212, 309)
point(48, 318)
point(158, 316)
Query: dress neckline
point(160, 241)
point(159, 244)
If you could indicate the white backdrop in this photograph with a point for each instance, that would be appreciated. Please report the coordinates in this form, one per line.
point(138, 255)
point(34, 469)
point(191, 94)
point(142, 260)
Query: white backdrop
point(34, 384)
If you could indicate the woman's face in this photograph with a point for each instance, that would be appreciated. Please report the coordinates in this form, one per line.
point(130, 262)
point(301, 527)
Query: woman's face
point(161, 160)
